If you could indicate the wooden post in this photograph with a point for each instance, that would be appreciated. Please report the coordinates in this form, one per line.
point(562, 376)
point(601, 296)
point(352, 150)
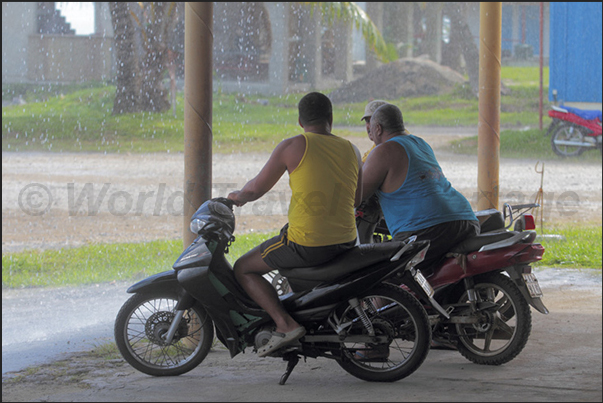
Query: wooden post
point(198, 57)
point(488, 141)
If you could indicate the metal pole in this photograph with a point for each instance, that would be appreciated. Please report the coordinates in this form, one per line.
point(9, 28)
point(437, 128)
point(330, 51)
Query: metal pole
point(540, 105)
point(198, 57)
point(488, 141)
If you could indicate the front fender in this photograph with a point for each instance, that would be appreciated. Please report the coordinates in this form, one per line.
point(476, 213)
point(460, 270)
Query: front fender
point(166, 280)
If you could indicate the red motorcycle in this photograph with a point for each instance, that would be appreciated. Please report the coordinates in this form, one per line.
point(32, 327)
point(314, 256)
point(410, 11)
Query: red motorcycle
point(484, 285)
point(574, 130)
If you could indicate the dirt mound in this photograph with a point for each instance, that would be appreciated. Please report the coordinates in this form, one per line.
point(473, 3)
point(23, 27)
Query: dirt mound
point(408, 77)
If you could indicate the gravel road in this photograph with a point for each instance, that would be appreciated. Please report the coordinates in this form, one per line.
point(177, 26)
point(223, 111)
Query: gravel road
point(62, 200)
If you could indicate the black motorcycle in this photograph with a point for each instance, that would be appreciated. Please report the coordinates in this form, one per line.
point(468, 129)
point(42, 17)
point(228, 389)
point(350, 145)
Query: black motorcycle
point(375, 331)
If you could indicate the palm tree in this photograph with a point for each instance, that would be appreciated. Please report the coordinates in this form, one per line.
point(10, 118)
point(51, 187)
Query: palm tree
point(157, 22)
point(128, 69)
point(462, 39)
point(140, 83)
point(350, 12)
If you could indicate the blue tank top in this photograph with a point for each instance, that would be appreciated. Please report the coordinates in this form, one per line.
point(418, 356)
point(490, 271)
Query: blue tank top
point(426, 198)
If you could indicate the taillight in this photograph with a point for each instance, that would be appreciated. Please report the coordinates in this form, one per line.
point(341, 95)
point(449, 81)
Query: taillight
point(525, 222)
point(529, 222)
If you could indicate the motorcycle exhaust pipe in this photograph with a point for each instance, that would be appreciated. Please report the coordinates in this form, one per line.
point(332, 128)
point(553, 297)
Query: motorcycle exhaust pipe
point(573, 143)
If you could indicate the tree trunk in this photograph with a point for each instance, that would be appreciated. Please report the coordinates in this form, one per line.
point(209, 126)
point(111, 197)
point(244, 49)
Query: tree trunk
point(461, 36)
point(158, 27)
point(128, 73)
point(154, 96)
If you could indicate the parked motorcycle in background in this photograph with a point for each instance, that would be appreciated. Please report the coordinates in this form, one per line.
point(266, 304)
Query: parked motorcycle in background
point(574, 130)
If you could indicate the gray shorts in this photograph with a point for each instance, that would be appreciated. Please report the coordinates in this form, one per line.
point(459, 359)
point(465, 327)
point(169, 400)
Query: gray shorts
point(280, 253)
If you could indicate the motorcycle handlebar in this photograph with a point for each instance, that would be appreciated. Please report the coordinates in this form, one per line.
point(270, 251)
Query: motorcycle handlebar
point(227, 202)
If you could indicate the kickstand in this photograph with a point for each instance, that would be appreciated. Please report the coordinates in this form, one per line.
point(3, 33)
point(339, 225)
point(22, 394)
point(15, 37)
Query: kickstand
point(292, 359)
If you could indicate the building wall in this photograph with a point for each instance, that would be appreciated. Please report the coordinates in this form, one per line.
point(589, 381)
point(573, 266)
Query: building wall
point(520, 25)
point(576, 48)
point(28, 56)
point(18, 22)
point(69, 58)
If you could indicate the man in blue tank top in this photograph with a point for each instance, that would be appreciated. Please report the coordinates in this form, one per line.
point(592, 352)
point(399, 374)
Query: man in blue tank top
point(415, 196)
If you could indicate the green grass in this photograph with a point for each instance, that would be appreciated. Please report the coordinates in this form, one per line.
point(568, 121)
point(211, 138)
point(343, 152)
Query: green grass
point(78, 118)
point(524, 76)
point(102, 262)
point(581, 249)
point(531, 143)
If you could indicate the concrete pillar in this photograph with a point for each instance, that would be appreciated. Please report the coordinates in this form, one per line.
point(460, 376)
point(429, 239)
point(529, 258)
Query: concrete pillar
point(407, 11)
point(102, 19)
point(312, 46)
point(375, 12)
point(488, 140)
point(433, 34)
point(343, 52)
point(198, 67)
point(516, 28)
point(278, 69)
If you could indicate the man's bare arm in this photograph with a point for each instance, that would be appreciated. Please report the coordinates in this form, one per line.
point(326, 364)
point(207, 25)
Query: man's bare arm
point(272, 171)
point(359, 185)
point(374, 172)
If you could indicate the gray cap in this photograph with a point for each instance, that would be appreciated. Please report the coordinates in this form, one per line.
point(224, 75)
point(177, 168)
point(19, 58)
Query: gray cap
point(371, 107)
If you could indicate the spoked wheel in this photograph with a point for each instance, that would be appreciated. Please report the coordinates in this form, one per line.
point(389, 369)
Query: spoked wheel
point(564, 137)
point(402, 326)
point(141, 327)
point(502, 330)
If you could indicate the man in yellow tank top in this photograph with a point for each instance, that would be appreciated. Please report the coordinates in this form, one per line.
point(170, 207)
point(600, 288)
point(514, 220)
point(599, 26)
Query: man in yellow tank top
point(325, 176)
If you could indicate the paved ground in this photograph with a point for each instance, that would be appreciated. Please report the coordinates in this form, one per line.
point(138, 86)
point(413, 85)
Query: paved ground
point(561, 362)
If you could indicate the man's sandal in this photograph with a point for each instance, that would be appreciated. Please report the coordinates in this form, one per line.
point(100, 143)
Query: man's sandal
point(280, 340)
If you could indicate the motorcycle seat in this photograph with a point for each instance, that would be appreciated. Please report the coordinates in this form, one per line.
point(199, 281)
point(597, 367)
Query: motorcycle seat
point(490, 220)
point(586, 114)
point(357, 258)
point(475, 243)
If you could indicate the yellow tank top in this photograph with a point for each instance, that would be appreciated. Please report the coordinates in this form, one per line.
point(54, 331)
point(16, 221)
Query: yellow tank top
point(366, 154)
point(323, 188)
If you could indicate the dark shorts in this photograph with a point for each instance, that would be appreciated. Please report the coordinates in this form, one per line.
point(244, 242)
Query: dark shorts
point(280, 253)
point(442, 238)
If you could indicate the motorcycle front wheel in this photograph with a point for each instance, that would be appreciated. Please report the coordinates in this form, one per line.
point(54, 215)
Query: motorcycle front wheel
point(503, 327)
point(141, 326)
point(403, 326)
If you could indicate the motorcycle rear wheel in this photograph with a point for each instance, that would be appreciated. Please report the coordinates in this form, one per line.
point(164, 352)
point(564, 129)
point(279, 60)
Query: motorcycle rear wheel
point(567, 132)
point(503, 331)
point(142, 323)
point(400, 317)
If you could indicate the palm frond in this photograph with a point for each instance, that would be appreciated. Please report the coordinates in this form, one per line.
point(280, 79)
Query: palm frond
point(352, 13)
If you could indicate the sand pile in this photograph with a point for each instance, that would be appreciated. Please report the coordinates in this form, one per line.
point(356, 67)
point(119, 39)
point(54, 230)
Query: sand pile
point(408, 77)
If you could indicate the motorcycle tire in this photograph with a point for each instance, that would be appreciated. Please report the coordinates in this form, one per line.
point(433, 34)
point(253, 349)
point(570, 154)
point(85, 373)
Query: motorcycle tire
point(503, 330)
point(143, 321)
point(400, 317)
point(567, 132)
